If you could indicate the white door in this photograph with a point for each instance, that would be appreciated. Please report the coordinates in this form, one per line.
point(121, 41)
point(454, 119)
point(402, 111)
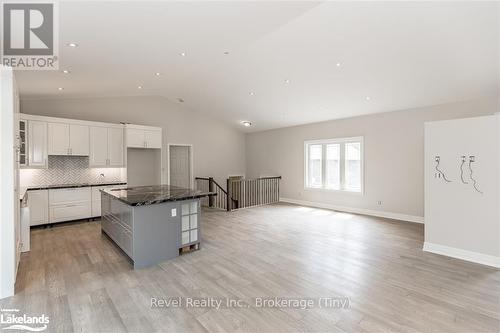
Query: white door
point(58, 139)
point(37, 141)
point(98, 146)
point(38, 203)
point(153, 139)
point(79, 140)
point(135, 138)
point(115, 147)
point(180, 166)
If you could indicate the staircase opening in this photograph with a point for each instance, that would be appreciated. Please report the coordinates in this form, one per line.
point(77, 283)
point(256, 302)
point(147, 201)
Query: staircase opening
point(240, 192)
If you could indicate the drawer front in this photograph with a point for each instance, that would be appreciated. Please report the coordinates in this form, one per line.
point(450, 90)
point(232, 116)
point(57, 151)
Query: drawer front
point(70, 212)
point(69, 195)
point(121, 212)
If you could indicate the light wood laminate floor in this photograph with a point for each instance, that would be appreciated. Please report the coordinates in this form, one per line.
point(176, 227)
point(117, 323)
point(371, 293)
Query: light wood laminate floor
point(83, 282)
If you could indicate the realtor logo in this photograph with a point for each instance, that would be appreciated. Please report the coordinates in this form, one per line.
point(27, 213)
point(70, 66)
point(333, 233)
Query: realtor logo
point(29, 35)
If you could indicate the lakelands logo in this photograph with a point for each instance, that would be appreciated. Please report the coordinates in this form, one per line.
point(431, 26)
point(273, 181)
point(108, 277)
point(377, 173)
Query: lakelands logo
point(30, 35)
point(10, 319)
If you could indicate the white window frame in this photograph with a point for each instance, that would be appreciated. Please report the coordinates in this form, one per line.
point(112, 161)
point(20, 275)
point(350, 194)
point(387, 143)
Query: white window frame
point(342, 142)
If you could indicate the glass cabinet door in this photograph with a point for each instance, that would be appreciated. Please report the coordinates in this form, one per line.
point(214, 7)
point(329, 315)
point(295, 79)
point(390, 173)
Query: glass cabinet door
point(23, 151)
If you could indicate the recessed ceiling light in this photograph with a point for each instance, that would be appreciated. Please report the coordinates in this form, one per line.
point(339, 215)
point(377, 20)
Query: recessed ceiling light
point(183, 54)
point(338, 64)
point(66, 71)
point(72, 44)
point(251, 93)
point(60, 88)
point(157, 73)
point(180, 100)
point(287, 81)
point(367, 98)
point(246, 123)
point(139, 87)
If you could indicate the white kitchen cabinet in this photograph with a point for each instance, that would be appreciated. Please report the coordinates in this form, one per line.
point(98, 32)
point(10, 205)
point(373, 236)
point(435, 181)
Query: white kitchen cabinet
point(37, 144)
point(69, 204)
point(143, 137)
point(68, 139)
point(115, 147)
point(152, 139)
point(106, 147)
point(135, 138)
point(98, 147)
point(58, 138)
point(38, 204)
point(96, 200)
point(79, 140)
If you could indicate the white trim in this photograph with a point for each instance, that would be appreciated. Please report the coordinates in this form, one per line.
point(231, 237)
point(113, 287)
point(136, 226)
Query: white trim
point(476, 257)
point(143, 127)
point(25, 116)
point(362, 211)
point(191, 160)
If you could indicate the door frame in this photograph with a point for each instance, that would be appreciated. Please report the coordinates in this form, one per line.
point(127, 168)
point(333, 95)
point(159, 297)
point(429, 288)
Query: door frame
point(191, 161)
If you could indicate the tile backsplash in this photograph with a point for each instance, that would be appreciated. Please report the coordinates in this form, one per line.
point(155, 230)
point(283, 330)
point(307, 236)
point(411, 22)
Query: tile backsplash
point(69, 170)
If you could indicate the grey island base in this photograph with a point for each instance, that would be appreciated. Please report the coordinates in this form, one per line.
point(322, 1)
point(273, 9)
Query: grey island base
point(152, 223)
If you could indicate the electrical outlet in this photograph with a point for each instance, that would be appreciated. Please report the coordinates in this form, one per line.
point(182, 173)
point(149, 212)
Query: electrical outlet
point(464, 158)
point(379, 203)
point(472, 158)
point(174, 212)
point(437, 158)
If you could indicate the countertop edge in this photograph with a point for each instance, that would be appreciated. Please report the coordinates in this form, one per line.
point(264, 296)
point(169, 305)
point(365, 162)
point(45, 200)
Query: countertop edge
point(154, 202)
point(55, 187)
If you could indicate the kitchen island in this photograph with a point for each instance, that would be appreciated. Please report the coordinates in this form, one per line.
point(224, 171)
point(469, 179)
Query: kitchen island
point(152, 224)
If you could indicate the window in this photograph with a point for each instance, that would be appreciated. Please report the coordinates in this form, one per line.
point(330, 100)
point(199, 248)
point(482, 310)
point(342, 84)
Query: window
point(335, 164)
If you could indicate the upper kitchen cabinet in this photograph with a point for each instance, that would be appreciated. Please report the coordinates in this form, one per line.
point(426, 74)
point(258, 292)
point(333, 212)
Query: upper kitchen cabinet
point(32, 143)
point(143, 136)
point(106, 146)
point(37, 144)
point(68, 139)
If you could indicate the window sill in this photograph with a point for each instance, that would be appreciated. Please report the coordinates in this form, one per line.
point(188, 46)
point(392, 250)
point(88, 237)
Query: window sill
point(331, 190)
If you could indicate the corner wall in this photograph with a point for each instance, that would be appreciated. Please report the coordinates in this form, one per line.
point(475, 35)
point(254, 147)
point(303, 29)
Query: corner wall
point(394, 158)
point(219, 149)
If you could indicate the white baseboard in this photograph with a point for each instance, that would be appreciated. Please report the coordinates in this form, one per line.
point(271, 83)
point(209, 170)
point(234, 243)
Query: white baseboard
point(476, 257)
point(388, 215)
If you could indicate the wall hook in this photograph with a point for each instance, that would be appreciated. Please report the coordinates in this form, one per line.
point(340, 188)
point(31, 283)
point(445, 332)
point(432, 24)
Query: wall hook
point(472, 159)
point(439, 172)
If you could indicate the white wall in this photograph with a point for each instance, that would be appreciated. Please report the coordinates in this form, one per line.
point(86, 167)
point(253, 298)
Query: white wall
point(394, 157)
point(459, 221)
point(219, 149)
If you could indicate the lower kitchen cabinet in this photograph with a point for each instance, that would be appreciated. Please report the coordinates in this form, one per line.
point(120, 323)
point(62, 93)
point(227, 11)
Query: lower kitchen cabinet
point(38, 204)
point(69, 204)
point(96, 198)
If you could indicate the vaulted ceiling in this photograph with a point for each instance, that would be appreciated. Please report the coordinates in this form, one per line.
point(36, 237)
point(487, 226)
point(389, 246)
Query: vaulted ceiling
point(276, 64)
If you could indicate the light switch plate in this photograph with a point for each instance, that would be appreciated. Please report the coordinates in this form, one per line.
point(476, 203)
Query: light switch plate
point(174, 212)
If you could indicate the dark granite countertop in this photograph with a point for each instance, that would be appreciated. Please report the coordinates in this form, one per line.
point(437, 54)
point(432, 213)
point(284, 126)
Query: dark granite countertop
point(149, 195)
point(58, 186)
